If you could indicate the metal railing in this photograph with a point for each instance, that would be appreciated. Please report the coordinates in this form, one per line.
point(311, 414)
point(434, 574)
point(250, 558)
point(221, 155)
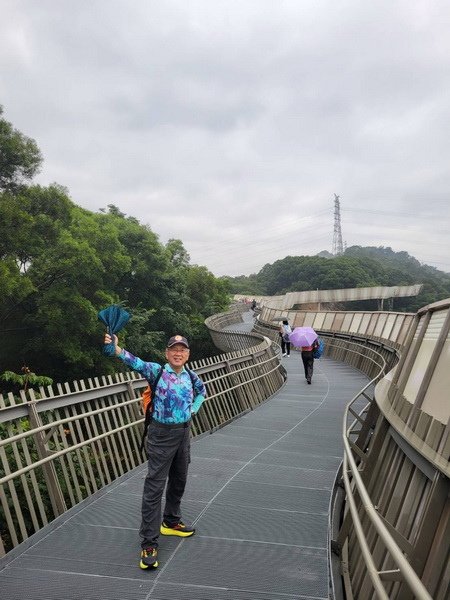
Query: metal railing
point(383, 327)
point(355, 488)
point(80, 440)
point(59, 448)
point(229, 340)
point(382, 542)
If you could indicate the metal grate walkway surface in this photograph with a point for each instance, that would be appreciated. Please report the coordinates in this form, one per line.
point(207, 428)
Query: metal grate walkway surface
point(258, 492)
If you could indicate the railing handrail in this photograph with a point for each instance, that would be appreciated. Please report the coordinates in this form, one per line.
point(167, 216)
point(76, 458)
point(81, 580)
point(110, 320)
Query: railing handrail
point(111, 389)
point(350, 466)
point(83, 439)
point(142, 381)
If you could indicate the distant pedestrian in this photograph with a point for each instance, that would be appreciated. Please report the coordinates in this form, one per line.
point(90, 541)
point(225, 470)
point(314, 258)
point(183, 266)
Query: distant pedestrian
point(285, 331)
point(179, 394)
point(253, 305)
point(308, 359)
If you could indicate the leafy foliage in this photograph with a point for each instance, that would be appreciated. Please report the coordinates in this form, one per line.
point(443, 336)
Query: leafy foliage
point(60, 264)
point(357, 267)
point(20, 157)
point(24, 380)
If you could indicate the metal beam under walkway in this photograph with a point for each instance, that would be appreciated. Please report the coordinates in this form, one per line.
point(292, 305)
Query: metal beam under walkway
point(258, 492)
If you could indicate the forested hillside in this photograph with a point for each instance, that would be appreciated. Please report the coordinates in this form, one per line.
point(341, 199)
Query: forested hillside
point(60, 264)
point(357, 267)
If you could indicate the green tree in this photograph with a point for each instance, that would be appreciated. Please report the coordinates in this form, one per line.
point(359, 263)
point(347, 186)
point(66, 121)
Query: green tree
point(358, 267)
point(177, 253)
point(24, 380)
point(20, 157)
point(60, 264)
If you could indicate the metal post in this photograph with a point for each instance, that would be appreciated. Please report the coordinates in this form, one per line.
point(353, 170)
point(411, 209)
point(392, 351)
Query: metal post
point(49, 471)
point(237, 390)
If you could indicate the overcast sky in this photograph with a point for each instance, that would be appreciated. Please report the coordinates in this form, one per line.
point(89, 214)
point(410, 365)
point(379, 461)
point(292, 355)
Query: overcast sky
point(232, 124)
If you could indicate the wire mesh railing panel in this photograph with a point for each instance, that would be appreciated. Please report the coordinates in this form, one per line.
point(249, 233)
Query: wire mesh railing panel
point(63, 444)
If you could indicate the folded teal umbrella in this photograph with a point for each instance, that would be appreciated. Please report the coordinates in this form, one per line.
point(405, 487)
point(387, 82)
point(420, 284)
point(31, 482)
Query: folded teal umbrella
point(115, 318)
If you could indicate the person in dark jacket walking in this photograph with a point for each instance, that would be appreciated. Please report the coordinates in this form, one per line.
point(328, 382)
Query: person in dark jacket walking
point(308, 359)
point(176, 398)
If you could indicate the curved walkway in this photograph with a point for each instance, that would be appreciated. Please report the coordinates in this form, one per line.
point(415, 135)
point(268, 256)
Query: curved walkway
point(258, 492)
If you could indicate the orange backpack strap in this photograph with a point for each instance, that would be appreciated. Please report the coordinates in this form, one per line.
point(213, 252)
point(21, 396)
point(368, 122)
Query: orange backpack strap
point(146, 399)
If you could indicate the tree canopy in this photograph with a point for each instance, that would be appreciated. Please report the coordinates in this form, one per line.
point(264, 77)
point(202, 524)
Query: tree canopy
point(357, 267)
point(20, 157)
point(60, 264)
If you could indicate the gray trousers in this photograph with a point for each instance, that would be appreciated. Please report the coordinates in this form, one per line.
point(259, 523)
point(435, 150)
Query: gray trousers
point(168, 449)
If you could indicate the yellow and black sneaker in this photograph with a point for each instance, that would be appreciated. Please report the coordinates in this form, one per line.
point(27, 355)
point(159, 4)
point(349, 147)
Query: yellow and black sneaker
point(179, 529)
point(149, 558)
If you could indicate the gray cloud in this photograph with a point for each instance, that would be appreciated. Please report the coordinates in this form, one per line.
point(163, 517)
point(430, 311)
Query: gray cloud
point(231, 124)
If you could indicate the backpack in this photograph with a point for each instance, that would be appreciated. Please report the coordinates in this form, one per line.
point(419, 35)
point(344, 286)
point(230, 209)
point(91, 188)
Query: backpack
point(286, 332)
point(318, 350)
point(147, 402)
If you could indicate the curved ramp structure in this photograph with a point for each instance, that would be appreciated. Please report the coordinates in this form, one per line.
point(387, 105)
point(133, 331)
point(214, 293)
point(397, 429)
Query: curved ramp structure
point(390, 532)
point(291, 299)
point(265, 488)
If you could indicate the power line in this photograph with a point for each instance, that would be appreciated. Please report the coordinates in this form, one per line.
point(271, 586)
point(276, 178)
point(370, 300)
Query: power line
point(278, 229)
point(390, 213)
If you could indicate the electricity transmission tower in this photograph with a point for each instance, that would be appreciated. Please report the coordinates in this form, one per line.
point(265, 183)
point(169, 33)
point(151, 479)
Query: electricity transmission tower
point(337, 236)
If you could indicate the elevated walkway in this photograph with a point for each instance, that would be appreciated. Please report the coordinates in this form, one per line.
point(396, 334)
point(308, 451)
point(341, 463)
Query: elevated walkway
point(258, 492)
point(290, 299)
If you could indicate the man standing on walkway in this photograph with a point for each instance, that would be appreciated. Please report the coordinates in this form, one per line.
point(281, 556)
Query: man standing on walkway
point(179, 394)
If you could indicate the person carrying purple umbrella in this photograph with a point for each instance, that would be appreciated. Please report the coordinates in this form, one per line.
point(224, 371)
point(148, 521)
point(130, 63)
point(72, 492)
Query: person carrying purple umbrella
point(306, 339)
point(308, 359)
